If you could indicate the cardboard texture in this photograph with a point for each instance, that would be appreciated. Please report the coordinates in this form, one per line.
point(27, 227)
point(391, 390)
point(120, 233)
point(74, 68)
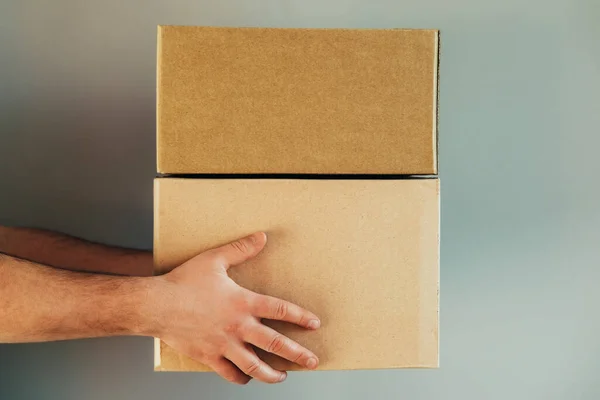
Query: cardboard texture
point(361, 254)
point(320, 101)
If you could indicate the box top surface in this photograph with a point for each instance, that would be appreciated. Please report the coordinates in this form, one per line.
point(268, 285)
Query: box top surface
point(265, 100)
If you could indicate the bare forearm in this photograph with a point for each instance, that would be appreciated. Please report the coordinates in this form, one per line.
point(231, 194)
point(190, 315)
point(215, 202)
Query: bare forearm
point(196, 308)
point(67, 252)
point(40, 303)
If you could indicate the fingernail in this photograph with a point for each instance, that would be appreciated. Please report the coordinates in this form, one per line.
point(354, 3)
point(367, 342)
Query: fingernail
point(314, 323)
point(282, 377)
point(311, 363)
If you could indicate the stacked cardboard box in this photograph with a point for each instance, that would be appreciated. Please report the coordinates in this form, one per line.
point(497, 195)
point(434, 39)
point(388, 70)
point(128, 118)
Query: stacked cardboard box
point(326, 140)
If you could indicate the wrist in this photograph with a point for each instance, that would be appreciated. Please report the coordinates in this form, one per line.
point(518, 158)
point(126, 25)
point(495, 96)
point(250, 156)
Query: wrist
point(149, 316)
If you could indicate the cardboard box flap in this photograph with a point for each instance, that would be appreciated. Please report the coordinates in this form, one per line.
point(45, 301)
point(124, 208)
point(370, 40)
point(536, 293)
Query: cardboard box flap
point(315, 101)
point(361, 254)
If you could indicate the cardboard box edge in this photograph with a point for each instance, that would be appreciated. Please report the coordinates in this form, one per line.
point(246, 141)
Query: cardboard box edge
point(157, 355)
point(297, 28)
point(159, 33)
point(436, 97)
point(436, 364)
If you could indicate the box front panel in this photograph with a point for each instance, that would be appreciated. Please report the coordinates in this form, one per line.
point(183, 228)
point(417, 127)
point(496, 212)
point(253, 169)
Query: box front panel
point(361, 254)
point(322, 101)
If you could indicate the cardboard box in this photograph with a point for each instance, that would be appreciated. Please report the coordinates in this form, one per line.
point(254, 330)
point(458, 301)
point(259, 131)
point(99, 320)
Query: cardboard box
point(315, 101)
point(361, 254)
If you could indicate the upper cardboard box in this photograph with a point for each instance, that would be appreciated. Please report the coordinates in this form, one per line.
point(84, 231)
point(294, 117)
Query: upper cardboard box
point(320, 101)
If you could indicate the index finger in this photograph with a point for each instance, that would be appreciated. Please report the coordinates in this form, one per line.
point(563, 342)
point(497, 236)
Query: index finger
point(268, 307)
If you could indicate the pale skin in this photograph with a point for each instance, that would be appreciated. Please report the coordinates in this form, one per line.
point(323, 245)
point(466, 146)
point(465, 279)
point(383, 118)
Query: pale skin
point(56, 287)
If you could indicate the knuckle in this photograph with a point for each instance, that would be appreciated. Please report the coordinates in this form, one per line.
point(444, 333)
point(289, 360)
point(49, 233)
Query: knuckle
point(298, 357)
point(218, 347)
point(243, 301)
point(261, 305)
point(210, 354)
point(232, 328)
point(281, 309)
point(241, 246)
point(252, 368)
point(303, 319)
point(199, 355)
point(211, 359)
point(276, 344)
point(247, 327)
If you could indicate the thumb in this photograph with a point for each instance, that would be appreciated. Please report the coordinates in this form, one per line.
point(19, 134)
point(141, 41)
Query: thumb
point(241, 250)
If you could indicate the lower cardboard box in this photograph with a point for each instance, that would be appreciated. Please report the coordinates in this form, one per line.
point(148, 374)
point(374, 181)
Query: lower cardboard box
point(361, 254)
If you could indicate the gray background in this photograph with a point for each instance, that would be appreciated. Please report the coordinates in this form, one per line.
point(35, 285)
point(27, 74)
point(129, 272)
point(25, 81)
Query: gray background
point(519, 124)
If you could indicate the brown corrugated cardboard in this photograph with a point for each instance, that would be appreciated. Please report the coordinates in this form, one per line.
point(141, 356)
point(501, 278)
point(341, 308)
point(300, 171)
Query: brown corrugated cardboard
point(361, 254)
point(322, 101)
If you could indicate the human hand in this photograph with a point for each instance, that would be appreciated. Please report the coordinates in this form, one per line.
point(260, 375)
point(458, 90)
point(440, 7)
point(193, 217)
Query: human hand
point(210, 318)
